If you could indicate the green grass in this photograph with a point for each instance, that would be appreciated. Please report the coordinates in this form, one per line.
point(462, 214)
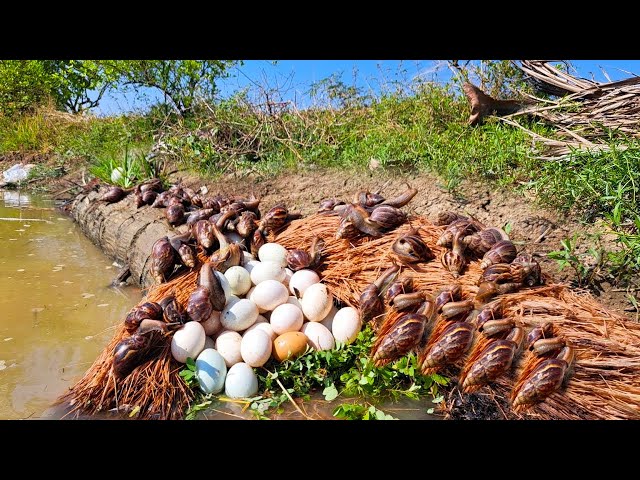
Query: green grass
point(73, 140)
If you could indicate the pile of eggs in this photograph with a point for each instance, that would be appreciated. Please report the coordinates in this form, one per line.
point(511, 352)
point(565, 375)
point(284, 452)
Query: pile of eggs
point(270, 312)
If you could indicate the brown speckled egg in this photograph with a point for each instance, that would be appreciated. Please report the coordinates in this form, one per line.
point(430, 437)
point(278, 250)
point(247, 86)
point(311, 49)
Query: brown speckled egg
point(289, 345)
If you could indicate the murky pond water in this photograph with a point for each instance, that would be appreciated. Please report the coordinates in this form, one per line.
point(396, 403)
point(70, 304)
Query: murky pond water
point(57, 310)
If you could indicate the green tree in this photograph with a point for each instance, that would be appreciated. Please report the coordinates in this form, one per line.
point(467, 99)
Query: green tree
point(181, 82)
point(79, 84)
point(72, 85)
point(24, 84)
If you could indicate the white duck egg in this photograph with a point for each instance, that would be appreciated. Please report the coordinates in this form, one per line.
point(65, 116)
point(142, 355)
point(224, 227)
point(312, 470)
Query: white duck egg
point(224, 283)
point(288, 274)
point(267, 270)
point(319, 336)
point(316, 302)
point(301, 280)
point(212, 325)
point(188, 341)
point(241, 381)
point(211, 371)
point(256, 347)
point(273, 252)
point(239, 280)
point(240, 315)
point(328, 320)
point(269, 294)
point(293, 300)
point(250, 265)
point(263, 325)
point(346, 325)
point(231, 299)
point(250, 297)
point(228, 345)
point(286, 318)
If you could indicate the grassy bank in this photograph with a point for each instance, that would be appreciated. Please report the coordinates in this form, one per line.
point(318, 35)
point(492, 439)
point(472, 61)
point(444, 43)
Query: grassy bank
point(423, 128)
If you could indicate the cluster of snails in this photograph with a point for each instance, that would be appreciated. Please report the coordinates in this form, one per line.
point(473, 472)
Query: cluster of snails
point(442, 328)
point(151, 322)
point(224, 229)
point(368, 213)
point(219, 226)
point(467, 239)
point(147, 325)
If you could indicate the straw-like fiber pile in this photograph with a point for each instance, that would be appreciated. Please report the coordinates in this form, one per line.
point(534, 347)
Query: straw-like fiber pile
point(605, 383)
point(350, 265)
point(155, 387)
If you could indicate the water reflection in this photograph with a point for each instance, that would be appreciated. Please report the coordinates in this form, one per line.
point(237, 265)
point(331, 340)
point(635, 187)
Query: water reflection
point(57, 311)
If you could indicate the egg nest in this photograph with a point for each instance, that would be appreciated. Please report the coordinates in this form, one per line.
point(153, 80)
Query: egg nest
point(605, 383)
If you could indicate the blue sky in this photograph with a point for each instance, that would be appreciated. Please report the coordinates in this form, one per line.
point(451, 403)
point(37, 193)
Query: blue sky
point(294, 77)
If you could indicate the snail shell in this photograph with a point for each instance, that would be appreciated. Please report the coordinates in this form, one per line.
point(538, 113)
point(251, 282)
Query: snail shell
point(197, 215)
point(173, 311)
point(274, 218)
point(526, 270)
point(175, 214)
point(187, 255)
point(148, 310)
point(162, 259)
point(498, 273)
point(495, 359)
point(450, 293)
point(149, 197)
point(139, 202)
point(155, 184)
point(387, 217)
point(257, 240)
point(405, 285)
point(113, 194)
point(129, 353)
point(545, 379)
point(160, 201)
point(298, 259)
point(403, 337)
point(410, 248)
point(204, 233)
point(450, 347)
point(199, 307)
point(446, 218)
point(453, 262)
point(501, 252)
point(370, 304)
point(481, 242)
point(461, 228)
point(246, 224)
point(209, 280)
point(329, 204)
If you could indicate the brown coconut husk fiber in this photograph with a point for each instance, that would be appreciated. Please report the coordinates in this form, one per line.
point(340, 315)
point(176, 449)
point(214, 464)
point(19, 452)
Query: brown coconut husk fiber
point(605, 383)
point(155, 387)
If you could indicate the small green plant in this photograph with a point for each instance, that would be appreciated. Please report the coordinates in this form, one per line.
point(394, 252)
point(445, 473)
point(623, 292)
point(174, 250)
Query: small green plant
point(356, 411)
point(346, 371)
point(588, 266)
point(188, 373)
point(126, 173)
